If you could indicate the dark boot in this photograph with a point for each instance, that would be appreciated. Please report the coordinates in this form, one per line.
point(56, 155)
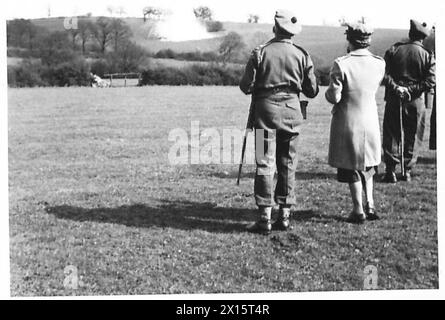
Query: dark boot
point(263, 225)
point(407, 177)
point(283, 222)
point(390, 175)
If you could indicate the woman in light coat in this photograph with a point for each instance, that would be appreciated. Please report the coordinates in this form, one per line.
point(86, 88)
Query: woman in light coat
point(355, 147)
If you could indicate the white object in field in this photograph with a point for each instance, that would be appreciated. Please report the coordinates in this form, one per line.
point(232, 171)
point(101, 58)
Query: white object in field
point(98, 82)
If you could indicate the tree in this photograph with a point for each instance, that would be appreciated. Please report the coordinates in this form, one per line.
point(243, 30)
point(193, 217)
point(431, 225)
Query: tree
point(103, 33)
point(203, 13)
point(152, 13)
point(55, 48)
point(86, 30)
point(73, 33)
point(23, 33)
point(127, 58)
point(120, 31)
point(253, 18)
point(231, 46)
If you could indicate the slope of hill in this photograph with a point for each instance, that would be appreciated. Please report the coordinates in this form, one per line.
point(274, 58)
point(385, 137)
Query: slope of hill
point(323, 42)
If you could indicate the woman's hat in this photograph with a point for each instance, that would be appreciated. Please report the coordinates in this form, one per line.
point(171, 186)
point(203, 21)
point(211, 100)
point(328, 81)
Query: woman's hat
point(359, 33)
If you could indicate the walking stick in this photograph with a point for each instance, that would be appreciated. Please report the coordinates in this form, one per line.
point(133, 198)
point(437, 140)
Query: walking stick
point(402, 139)
point(249, 126)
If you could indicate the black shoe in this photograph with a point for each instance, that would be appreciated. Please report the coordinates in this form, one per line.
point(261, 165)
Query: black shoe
point(407, 177)
point(371, 214)
point(261, 227)
point(356, 218)
point(390, 177)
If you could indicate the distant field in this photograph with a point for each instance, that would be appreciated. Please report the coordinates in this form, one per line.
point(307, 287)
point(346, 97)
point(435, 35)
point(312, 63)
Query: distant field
point(90, 187)
point(323, 42)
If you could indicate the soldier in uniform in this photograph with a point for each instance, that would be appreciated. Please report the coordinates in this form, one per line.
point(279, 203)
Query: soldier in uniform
point(355, 146)
point(410, 73)
point(276, 73)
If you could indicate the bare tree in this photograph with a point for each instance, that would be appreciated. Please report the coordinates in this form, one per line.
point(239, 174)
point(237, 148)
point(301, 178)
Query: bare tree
point(120, 32)
point(152, 13)
point(86, 31)
point(203, 13)
point(253, 18)
point(103, 32)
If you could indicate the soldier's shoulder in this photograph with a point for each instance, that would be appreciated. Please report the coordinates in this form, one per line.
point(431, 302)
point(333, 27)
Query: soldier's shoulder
point(262, 46)
point(301, 49)
point(397, 45)
point(422, 47)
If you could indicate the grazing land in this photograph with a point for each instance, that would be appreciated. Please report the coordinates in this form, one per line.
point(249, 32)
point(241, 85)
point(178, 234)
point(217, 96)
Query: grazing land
point(91, 189)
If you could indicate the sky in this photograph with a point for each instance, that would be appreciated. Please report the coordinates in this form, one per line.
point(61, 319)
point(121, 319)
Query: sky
point(379, 13)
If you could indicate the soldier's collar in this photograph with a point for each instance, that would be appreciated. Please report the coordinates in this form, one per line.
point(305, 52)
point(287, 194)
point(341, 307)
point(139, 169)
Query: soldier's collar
point(281, 39)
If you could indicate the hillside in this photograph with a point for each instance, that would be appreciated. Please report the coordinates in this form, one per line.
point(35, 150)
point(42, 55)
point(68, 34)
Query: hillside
point(323, 42)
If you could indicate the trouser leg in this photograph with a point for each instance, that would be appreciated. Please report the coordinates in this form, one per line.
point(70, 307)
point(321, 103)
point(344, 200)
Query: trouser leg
point(265, 149)
point(286, 160)
point(391, 135)
point(414, 124)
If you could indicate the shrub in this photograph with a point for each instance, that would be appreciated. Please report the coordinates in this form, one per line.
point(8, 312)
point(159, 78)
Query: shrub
point(27, 74)
point(214, 26)
point(198, 75)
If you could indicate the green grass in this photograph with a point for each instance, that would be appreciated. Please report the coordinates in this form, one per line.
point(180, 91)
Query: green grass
point(90, 186)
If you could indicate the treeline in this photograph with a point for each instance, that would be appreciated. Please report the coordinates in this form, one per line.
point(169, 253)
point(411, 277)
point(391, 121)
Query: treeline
point(103, 45)
point(66, 58)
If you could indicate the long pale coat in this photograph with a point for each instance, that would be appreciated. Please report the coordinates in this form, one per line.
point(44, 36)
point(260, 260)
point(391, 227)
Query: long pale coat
point(355, 132)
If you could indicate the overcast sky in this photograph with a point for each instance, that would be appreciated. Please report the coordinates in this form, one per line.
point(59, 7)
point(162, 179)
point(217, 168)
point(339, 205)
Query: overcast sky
point(381, 13)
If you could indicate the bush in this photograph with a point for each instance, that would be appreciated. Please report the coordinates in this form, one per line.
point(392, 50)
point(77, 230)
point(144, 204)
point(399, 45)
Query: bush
point(100, 67)
point(74, 73)
point(214, 26)
point(198, 75)
point(27, 74)
point(35, 74)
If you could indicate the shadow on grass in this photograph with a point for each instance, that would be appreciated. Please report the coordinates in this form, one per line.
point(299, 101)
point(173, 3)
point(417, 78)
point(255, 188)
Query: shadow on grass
point(299, 175)
point(184, 215)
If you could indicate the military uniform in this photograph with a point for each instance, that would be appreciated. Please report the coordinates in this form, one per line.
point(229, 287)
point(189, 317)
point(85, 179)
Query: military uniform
point(276, 74)
point(410, 65)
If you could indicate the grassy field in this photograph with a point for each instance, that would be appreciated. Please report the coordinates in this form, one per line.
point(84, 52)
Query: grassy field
point(91, 187)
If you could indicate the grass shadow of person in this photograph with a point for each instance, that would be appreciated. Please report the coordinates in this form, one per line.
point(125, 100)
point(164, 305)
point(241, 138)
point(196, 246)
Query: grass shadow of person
point(184, 215)
point(299, 175)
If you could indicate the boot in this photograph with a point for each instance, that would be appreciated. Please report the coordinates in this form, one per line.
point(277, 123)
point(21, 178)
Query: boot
point(407, 177)
point(263, 225)
point(390, 175)
point(283, 222)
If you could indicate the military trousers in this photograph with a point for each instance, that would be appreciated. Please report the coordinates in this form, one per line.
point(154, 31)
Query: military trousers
point(277, 121)
point(414, 115)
